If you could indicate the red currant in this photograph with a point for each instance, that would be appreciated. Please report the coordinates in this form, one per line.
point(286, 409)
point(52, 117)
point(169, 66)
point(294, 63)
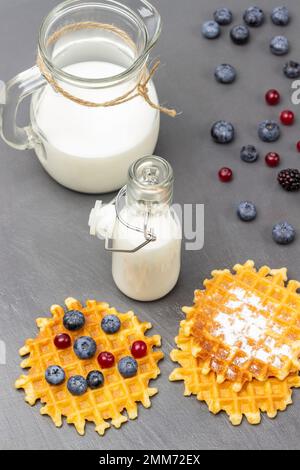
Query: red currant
point(225, 175)
point(62, 341)
point(272, 97)
point(272, 159)
point(298, 146)
point(287, 117)
point(106, 360)
point(139, 349)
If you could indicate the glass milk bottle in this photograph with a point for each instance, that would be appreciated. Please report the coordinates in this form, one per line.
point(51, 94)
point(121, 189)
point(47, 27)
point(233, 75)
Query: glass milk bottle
point(94, 107)
point(142, 231)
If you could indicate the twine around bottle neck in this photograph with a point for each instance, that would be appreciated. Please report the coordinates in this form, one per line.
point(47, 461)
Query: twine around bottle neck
point(140, 89)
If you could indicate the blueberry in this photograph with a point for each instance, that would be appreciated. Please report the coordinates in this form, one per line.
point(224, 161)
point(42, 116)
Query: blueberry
point(211, 30)
point(280, 16)
point(127, 366)
point(249, 154)
point(269, 131)
point(279, 45)
point(73, 320)
point(110, 324)
point(225, 73)
point(292, 69)
point(85, 347)
point(247, 211)
point(223, 16)
point(254, 16)
point(77, 385)
point(284, 233)
point(95, 379)
point(222, 132)
point(55, 375)
point(240, 34)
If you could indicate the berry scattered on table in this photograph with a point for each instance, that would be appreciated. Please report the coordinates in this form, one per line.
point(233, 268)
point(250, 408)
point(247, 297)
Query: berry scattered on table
point(269, 131)
point(62, 341)
point(247, 211)
point(85, 347)
point(298, 146)
point(106, 360)
point(55, 375)
point(222, 132)
point(139, 349)
point(73, 320)
point(95, 379)
point(254, 16)
point(211, 30)
point(127, 367)
point(280, 16)
point(77, 385)
point(289, 179)
point(225, 73)
point(272, 159)
point(225, 175)
point(272, 97)
point(292, 69)
point(287, 117)
point(240, 34)
point(279, 45)
point(223, 16)
point(110, 324)
point(249, 154)
point(284, 233)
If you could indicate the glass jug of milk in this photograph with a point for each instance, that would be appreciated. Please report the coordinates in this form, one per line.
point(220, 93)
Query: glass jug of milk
point(89, 118)
point(142, 231)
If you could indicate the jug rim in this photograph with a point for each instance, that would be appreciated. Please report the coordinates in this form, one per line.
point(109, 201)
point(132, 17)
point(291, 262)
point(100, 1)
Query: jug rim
point(116, 6)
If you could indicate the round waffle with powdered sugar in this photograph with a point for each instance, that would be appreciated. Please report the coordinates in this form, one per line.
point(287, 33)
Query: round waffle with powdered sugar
point(270, 396)
point(105, 405)
point(246, 325)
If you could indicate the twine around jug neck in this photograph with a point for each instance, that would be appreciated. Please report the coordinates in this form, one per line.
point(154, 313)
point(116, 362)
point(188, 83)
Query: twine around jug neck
point(140, 89)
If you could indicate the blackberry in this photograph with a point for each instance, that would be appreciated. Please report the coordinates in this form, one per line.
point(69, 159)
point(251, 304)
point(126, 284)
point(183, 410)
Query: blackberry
point(289, 179)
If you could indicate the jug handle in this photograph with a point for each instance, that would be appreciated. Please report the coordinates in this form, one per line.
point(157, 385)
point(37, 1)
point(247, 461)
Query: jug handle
point(11, 96)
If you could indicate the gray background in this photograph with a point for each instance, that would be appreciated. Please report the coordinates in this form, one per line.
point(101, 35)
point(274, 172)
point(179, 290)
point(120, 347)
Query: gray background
point(47, 254)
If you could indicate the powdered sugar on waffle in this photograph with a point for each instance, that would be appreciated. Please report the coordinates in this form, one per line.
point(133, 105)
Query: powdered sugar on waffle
point(244, 326)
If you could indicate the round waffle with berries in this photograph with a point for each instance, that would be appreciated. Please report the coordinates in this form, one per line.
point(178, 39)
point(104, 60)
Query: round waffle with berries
point(246, 325)
point(90, 363)
point(270, 396)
